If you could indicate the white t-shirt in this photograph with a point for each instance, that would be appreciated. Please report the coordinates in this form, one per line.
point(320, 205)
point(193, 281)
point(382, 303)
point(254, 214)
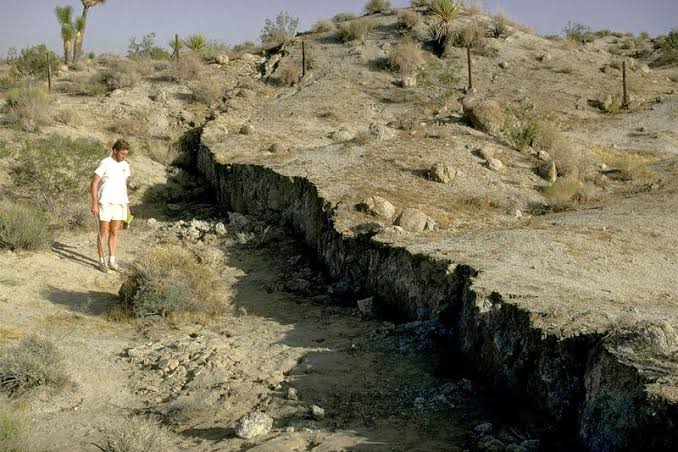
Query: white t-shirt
point(113, 185)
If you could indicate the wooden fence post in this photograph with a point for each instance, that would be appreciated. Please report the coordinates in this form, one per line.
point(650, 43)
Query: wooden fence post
point(303, 59)
point(49, 73)
point(468, 58)
point(625, 98)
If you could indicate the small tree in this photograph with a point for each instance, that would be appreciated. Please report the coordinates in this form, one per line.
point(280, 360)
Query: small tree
point(146, 48)
point(12, 55)
point(81, 24)
point(443, 13)
point(283, 30)
point(65, 17)
point(33, 62)
point(578, 32)
point(196, 42)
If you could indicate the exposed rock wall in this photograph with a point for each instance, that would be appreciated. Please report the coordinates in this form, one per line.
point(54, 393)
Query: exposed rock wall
point(571, 379)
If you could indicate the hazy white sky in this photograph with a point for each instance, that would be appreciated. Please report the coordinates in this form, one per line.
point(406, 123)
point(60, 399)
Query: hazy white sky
point(28, 22)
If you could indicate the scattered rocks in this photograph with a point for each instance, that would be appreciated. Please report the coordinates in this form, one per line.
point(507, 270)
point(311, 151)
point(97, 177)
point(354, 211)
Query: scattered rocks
point(247, 129)
point(377, 206)
point(490, 444)
point(408, 82)
point(222, 59)
point(486, 153)
point(220, 229)
point(341, 135)
point(504, 65)
point(317, 413)
point(292, 394)
point(368, 228)
point(238, 221)
point(483, 429)
point(517, 213)
point(443, 173)
point(276, 148)
point(413, 220)
point(548, 171)
point(381, 132)
point(545, 57)
point(366, 307)
point(152, 222)
point(252, 425)
point(495, 165)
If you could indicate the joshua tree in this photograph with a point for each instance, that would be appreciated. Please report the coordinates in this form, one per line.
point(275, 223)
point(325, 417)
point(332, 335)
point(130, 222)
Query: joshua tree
point(197, 42)
point(64, 15)
point(80, 25)
point(444, 12)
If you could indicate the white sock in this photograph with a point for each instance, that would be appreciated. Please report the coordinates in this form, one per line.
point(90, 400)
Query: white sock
point(111, 260)
point(102, 260)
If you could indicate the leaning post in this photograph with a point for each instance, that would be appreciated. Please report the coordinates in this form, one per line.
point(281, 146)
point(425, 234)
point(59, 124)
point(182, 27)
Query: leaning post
point(468, 58)
point(625, 98)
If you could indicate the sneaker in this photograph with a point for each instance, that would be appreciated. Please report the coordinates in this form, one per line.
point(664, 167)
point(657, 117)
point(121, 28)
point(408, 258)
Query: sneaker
point(114, 266)
point(103, 267)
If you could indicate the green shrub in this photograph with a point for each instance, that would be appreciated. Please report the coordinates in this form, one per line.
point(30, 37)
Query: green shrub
point(378, 6)
point(522, 132)
point(188, 68)
point(343, 17)
point(15, 430)
point(499, 27)
point(146, 48)
point(354, 30)
point(32, 62)
point(23, 227)
point(206, 90)
point(168, 280)
point(282, 29)
point(27, 108)
point(408, 20)
point(196, 42)
point(54, 169)
point(443, 14)
point(245, 47)
point(34, 361)
point(668, 48)
point(136, 434)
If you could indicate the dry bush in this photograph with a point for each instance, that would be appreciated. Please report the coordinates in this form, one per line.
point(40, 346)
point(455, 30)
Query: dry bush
point(420, 3)
point(674, 77)
point(188, 68)
point(34, 361)
point(343, 17)
point(323, 26)
point(354, 30)
point(15, 430)
point(569, 162)
point(564, 192)
point(499, 27)
point(406, 58)
point(206, 90)
point(168, 280)
point(121, 73)
point(474, 9)
point(288, 73)
point(136, 434)
point(27, 108)
point(481, 203)
point(163, 154)
point(472, 35)
point(408, 20)
point(631, 167)
point(378, 6)
point(190, 408)
point(129, 127)
point(23, 227)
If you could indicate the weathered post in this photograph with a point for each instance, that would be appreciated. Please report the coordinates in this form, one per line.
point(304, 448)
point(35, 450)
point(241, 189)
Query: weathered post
point(49, 73)
point(176, 46)
point(468, 58)
point(303, 59)
point(625, 98)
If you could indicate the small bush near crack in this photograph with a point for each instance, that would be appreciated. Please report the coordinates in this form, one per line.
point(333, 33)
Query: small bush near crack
point(27, 108)
point(168, 280)
point(15, 430)
point(23, 227)
point(136, 434)
point(32, 362)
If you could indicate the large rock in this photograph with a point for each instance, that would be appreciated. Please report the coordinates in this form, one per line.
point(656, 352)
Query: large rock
point(443, 173)
point(377, 206)
point(381, 132)
point(413, 220)
point(548, 171)
point(485, 115)
point(252, 425)
point(495, 165)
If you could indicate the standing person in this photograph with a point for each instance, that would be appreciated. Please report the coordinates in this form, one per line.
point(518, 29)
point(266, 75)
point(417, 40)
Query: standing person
point(110, 204)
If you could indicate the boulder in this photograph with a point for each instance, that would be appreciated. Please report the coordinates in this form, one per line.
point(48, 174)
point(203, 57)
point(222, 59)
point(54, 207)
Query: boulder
point(504, 65)
point(408, 82)
point(485, 115)
point(413, 220)
point(341, 135)
point(495, 164)
point(442, 172)
point(252, 425)
point(247, 129)
point(381, 132)
point(377, 206)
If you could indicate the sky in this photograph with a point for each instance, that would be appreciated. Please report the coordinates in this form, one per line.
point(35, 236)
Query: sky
point(28, 22)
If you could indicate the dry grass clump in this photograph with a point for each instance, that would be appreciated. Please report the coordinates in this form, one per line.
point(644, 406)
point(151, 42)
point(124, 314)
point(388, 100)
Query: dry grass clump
point(499, 28)
point(133, 127)
point(565, 192)
point(188, 68)
point(23, 227)
point(378, 6)
point(34, 361)
point(136, 434)
point(288, 73)
point(121, 73)
point(631, 167)
point(164, 154)
point(27, 108)
point(354, 30)
point(343, 17)
point(15, 430)
point(406, 58)
point(323, 26)
point(206, 90)
point(168, 280)
point(408, 20)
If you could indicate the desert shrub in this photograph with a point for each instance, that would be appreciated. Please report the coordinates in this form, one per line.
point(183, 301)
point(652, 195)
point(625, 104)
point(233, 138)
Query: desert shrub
point(354, 30)
point(564, 192)
point(23, 227)
point(323, 26)
point(206, 90)
point(288, 73)
point(94, 85)
point(7, 80)
point(668, 48)
point(343, 17)
point(196, 42)
point(32, 62)
point(34, 361)
point(136, 434)
point(27, 107)
point(282, 29)
point(245, 47)
point(378, 6)
point(629, 167)
point(406, 58)
point(674, 77)
point(163, 154)
point(578, 32)
point(15, 431)
point(54, 168)
point(168, 280)
point(133, 127)
point(146, 48)
point(443, 14)
point(522, 131)
point(499, 27)
point(188, 68)
point(216, 50)
point(122, 73)
point(442, 79)
point(420, 3)
point(408, 20)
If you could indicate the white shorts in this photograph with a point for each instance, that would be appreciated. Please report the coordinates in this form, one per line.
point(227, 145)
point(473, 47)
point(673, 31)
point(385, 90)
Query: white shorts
point(112, 212)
